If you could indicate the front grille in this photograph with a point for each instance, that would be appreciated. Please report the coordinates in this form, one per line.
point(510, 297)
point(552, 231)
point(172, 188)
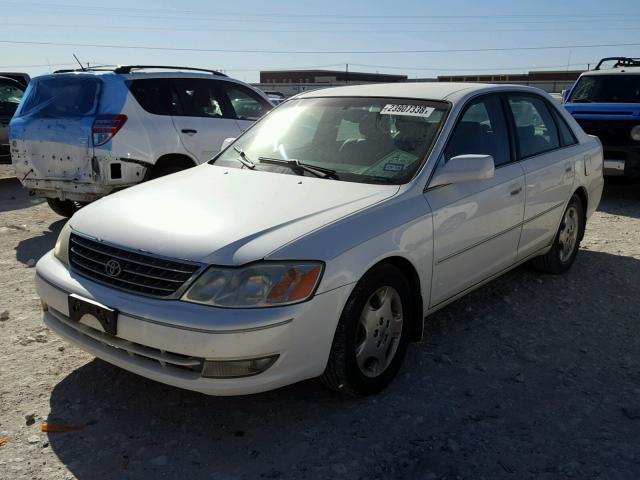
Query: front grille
point(128, 270)
point(610, 132)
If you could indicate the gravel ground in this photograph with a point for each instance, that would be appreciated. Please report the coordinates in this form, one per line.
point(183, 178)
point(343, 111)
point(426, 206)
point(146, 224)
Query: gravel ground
point(529, 377)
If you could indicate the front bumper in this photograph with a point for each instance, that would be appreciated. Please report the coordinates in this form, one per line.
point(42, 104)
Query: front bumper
point(159, 338)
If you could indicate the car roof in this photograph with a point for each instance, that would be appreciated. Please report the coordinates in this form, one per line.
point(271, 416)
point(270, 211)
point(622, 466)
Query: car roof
point(452, 91)
point(613, 71)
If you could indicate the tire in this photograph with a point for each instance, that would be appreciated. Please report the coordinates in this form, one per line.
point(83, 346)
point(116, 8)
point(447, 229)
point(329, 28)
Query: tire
point(64, 208)
point(362, 374)
point(560, 257)
point(167, 169)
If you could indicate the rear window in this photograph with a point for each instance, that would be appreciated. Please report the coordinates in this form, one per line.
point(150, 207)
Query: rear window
point(60, 97)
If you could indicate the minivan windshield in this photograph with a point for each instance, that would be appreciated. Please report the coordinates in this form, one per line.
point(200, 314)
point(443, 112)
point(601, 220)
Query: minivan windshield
point(616, 88)
point(356, 139)
point(63, 96)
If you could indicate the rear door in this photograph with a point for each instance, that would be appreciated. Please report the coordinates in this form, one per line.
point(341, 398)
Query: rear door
point(51, 132)
point(477, 223)
point(546, 149)
point(11, 93)
point(248, 106)
point(203, 116)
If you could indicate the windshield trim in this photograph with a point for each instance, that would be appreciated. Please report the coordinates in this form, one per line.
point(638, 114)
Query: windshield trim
point(363, 178)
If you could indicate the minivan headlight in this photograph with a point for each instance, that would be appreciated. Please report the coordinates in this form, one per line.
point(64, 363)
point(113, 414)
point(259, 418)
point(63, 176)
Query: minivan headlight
point(61, 250)
point(264, 284)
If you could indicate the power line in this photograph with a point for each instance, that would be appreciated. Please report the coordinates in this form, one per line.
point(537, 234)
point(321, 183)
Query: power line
point(317, 52)
point(492, 69)
point(173, 11)
point(82, 11)
point(308, 31)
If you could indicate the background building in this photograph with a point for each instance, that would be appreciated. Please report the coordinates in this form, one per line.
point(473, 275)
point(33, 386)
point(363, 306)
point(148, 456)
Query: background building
point(550, 81)
point(291, 82)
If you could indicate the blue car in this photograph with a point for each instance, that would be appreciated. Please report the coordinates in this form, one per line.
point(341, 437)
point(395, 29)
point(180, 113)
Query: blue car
point(606, 103)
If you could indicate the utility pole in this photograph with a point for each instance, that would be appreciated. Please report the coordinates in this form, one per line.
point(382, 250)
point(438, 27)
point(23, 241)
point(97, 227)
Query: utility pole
point(346, 73)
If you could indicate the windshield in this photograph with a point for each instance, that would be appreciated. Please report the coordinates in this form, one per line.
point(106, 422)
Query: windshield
point(65, 96)
point(353, 139)
point(607, 89)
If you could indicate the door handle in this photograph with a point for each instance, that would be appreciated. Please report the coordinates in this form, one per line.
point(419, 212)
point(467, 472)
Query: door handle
point(568, 168)
point(516, 191)
point(189, 131)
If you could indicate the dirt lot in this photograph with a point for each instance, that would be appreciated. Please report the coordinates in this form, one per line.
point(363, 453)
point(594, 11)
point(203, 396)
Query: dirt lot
point(529, 377)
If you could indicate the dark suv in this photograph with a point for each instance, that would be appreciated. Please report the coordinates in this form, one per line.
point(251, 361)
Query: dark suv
point(606, 103)
point(12, 87)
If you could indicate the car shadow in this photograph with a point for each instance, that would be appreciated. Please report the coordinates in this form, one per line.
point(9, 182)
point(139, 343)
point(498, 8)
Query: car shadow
point(528, 375)
point(35, 247)
point(14, 197)
point(620, 197)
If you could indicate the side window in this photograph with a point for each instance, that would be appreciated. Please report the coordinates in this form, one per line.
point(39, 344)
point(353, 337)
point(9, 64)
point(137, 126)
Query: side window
point(567, 137)
point(481, 130)
point(246, 104)
point(154, 95)
point(198, 97)
point(10, 96)
point(536, 130)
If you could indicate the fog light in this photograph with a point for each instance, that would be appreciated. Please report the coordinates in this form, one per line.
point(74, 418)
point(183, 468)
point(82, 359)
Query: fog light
point(237, 368)
point(635, 133)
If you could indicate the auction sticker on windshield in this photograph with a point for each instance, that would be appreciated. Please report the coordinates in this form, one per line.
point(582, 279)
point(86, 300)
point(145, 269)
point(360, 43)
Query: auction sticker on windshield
point(410, 110)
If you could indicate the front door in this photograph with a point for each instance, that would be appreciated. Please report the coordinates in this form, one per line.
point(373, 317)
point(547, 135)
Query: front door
point(247, 105)
point(202, 116)
point(476, 223)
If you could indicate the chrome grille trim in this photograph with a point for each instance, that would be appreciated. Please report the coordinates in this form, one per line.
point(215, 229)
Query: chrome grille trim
point(164, 358)
point(141, 273)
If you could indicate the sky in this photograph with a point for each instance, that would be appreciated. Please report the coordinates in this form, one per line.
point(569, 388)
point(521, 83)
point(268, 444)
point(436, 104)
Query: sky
point(418, 38)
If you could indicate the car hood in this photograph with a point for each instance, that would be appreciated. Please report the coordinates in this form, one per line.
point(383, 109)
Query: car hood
point(613, 111)
point(223, 216)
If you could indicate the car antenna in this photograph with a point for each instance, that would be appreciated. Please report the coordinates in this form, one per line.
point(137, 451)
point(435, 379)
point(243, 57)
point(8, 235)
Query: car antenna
point(83, 69)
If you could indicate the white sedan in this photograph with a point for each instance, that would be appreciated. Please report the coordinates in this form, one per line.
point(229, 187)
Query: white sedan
point(316, 244)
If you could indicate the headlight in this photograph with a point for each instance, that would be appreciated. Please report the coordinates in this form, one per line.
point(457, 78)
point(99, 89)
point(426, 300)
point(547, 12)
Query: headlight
point(264, 284)
point(635, 133)
point(61, 250)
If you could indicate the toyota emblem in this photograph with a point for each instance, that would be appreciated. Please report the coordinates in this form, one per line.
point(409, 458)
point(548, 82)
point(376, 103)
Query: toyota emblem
point(113, 268)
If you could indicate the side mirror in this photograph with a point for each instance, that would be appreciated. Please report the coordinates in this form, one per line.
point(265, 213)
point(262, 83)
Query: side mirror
point(226, 142)
point(464, 168)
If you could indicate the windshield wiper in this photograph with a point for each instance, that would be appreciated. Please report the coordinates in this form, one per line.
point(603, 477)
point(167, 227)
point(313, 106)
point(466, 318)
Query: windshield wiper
point(582, 100)
point(243, 159)
point(300, 167)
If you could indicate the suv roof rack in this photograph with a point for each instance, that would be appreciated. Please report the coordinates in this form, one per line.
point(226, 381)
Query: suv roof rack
point(126, 69)
point(620, 62)
point(97, 68)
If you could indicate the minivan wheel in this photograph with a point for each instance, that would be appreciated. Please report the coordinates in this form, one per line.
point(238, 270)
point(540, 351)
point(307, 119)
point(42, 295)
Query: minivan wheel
point(567, 241)
point(372, 335)
point(64, 208)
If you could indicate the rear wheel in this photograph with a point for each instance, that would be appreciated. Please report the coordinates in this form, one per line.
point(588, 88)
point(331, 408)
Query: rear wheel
point(372, 335)
point(567, 241)
point(64, 208)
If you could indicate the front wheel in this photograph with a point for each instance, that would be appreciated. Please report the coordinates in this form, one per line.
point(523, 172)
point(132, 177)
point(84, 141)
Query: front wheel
point(372, 335)
point(567, 241)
